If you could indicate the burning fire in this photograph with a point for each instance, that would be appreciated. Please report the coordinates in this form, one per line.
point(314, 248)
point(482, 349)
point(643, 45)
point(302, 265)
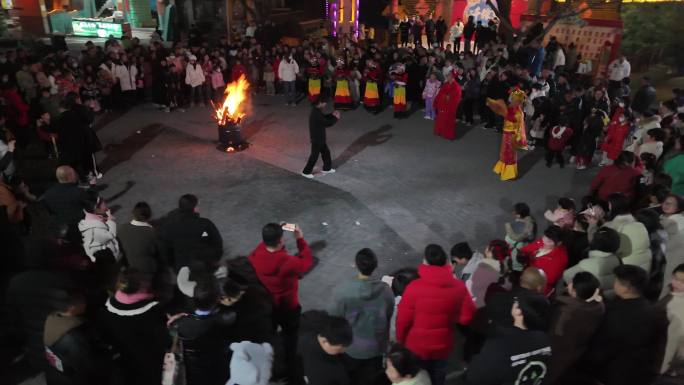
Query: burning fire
point(233, 96)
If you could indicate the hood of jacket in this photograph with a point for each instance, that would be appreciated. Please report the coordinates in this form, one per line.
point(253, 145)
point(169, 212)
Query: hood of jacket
point(436, 275)
point(472, 264)
point(365, 288)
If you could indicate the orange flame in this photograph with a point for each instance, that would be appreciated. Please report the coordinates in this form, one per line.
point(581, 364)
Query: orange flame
point(233, 96)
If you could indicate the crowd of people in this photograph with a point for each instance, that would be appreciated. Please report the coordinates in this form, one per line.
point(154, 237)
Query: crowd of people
point(596, 297)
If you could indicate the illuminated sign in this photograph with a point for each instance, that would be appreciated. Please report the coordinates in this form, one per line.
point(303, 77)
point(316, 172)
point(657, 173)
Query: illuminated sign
point(94, 28)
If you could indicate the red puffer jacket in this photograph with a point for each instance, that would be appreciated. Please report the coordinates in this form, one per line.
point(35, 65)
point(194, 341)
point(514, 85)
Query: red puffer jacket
point(429, 310)
point(279, 272)
point(552, 263)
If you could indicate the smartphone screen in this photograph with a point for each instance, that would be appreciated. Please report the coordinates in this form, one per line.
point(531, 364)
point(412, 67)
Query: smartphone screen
point(289, 226)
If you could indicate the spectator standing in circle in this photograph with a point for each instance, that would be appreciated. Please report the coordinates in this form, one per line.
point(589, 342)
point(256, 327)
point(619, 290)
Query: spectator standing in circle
point(429, 309)
point(323, 340)
point(367, 303)
point(629, 346)
point(279, 272)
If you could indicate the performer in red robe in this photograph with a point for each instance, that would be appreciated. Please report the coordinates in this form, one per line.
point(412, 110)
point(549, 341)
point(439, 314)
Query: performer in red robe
point(446, 105)
point(513, 136)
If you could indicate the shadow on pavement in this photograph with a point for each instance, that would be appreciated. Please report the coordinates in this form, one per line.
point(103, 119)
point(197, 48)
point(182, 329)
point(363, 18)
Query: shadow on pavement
point(121, 152)
point(371, 138)
point(528, 161)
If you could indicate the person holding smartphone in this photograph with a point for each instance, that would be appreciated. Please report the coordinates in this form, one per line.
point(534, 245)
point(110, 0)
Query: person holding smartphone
point(318, 121)
point(280, 272)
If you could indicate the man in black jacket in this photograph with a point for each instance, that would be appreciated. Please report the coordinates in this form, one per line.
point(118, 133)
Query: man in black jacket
point(645, 97)
point(74, 353)
point(318, 121)
point(629, 346)
point(519, 353)
point(322, 341)
point(186, 236)
point(430, 30)
point(440, 31)
point(66, 201)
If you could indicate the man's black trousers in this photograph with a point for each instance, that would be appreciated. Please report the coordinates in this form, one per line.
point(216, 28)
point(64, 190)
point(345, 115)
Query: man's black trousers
point(316, 150)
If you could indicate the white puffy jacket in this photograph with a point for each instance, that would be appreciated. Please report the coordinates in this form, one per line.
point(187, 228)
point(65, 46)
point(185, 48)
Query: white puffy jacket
point(98, 235)
point(194, 75)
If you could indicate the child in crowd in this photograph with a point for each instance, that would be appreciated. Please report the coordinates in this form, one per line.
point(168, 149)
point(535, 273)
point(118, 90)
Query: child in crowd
point(269, 78)
point(429, 93)
point(616, 132)
point(217, 83)
point(521, 231)
point(563, 215)
point(558, 139)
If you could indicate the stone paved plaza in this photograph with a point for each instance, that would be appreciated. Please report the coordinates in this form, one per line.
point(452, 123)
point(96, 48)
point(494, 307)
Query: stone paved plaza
point(397, 187)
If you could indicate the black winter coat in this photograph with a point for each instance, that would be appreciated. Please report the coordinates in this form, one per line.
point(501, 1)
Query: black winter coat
point(188, 237)
point(77, 356)
point(630, 344)
point(321, 368)
point(511, 356)
point(66, 202)
point(72, 140)
point(138, 332)
point(318, 121)
point(206, 346)
point(33, 295)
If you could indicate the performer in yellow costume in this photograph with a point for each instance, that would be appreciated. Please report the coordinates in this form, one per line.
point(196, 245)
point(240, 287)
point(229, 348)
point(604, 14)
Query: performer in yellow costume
point(513, 137)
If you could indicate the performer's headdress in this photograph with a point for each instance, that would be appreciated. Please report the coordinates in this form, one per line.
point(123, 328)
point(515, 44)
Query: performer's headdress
point(516, 94)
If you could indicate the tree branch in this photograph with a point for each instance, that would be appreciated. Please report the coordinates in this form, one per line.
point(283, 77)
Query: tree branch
point(504, 20)
point(563, 15)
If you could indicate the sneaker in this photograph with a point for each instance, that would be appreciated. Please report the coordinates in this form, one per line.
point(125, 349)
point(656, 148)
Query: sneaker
point(581, 167)
point(167, 109)
point(98, 175)
point(181, 110)
point(307, 176)
point(573, 160)
point(331, 171)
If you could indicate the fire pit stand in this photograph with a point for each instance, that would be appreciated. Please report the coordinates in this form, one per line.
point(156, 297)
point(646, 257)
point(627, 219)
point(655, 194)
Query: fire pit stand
point(230, 137)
